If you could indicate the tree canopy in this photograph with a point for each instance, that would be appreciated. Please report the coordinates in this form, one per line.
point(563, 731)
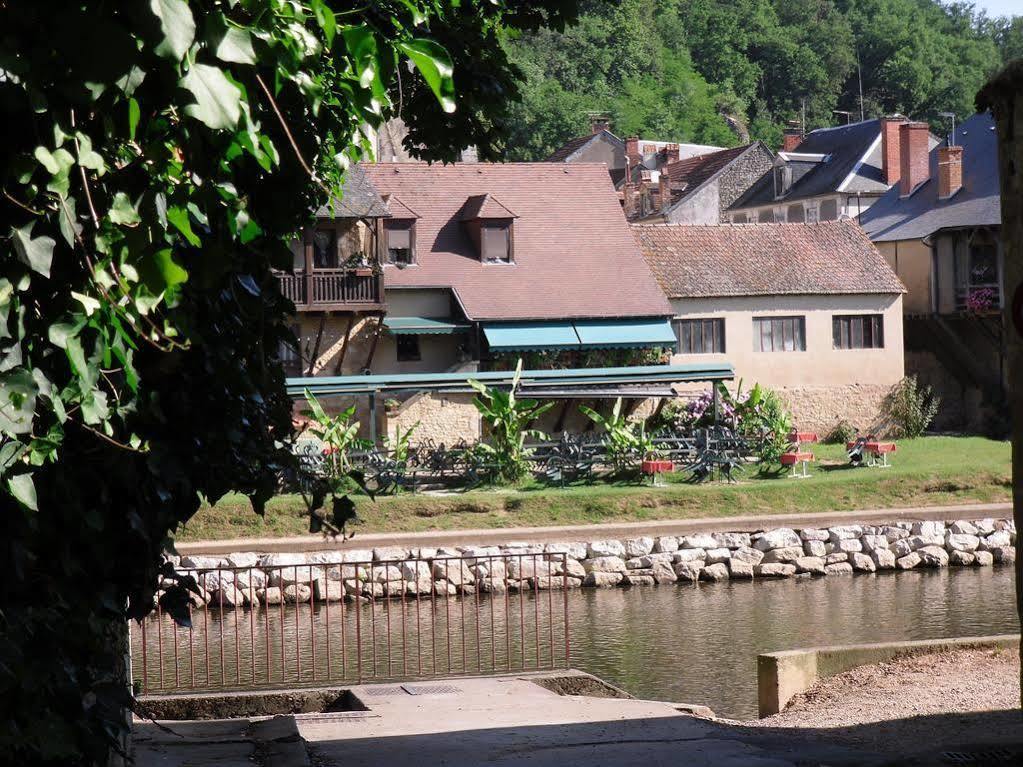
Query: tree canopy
point(156, 158)
point(713, 71)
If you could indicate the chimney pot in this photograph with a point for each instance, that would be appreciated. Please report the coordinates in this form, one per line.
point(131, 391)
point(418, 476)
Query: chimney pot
point(791, 138)
point(671, 153)
point(663, 190)
point(891, 162)
point(632, 151)
point(950, 170)
point(913, 150)
point(599, 123)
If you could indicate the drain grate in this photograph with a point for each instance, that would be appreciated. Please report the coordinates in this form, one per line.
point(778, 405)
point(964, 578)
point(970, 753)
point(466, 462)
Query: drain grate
point(430, 689)
point(373, 692)
point(993, 757)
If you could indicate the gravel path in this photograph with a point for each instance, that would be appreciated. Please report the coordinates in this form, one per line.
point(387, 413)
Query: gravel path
point(913, 704)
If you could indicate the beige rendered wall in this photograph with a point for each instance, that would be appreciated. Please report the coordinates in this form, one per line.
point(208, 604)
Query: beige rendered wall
point(911, 261)
point(417, 302)
point(821, 385)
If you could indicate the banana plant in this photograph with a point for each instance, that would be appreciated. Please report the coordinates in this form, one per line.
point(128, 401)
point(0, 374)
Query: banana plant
point(400, 444)
point(507, 418)
point(624, 441)
point(339, 434)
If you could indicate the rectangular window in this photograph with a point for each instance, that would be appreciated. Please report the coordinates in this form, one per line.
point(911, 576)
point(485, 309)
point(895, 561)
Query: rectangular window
point(739, 218)
point(325, 248)
point(408, 348)
point(700, 336)
point(857, 331)
point(399, 237)
point(496, 242)
point(828, 210)
point(779, 334)
point(796, 214)
point(766, 216)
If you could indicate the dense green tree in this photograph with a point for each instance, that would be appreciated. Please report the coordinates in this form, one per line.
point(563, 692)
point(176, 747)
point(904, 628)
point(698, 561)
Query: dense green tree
point(155, 159)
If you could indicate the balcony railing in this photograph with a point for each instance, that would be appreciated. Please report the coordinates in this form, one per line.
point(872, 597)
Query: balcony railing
point(333, 289)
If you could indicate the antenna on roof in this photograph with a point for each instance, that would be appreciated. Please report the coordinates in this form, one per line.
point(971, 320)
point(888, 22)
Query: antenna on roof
point(859, 77)
point(848, 114)
point(951, 140)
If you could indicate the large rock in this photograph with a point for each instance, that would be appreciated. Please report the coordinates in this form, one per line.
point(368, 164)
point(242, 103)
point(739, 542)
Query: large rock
point(637, 547)
point(361, 556)
point(633, 579)
point(836, 558)
point(731, 540)
point(414, 569)
point(387, 573)
point(961, 558)
point(894, 533)
point(243, 559)
point(325, 557)
point(933, 556)
point(666, 544)
point(996, 540)
point(716, 572)
point(777, 539)
point(931, 528)
point(874, 542)
point(844, 532)
point(605, 564)
point(775, 570)
point(902, 547)
point(813, 534)
point(202, 563)
point(663, 574)
point(688, 570)
point(270, 596)
point(849, 545)
point(650, 559)
point(715, 556)
point(480, 552)
point(598, 549)
point(699, 541)
point(288, 575)
point(983, 558)
point(424, 586)
point(297, 592)
point(908, 562)
point(571, 567)
point(689, 555)
point(227, 596)
point(246, 579)
point(961, 542)
point(575, 550)
point(528, 567)
point(454, 571)
point(883, 559)
point(389, 554)
point(814, 548)
point(919, 541)
point(839, 568)
point(739, 569)
point(280, 560)
point(1008, 525)
point(602, 579)
point(985, 526)
point(963, 527)
point(521, 547)
point(1005, 555)
point(328, 591)
point(749, 555)
point(787, 554)
point(812, 565)
point(862, 563)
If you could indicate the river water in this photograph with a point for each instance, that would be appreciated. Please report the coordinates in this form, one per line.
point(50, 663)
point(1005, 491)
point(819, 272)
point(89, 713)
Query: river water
point(684, 643)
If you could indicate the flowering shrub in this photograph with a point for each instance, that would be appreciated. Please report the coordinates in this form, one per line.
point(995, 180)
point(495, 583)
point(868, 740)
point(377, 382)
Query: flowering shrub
point(982, 300)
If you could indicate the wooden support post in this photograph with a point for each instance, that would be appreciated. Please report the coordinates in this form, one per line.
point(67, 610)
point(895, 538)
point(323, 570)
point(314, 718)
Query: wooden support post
point(559, 425)
point(373, 345)
point(373, 419)
point(316, 346)
point(307, 276)
point(344, 344)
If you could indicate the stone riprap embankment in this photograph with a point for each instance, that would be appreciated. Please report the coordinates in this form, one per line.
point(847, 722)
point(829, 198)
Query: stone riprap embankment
point(243, 578)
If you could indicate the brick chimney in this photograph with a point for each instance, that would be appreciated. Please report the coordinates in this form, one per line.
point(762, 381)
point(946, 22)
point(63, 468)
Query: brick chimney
point(663, 191)
point(950, 170)
point(790, 139)
point(913, 156)
point(632, 151)
point(629, 200)
point(671, 153)
point(891, 164)
point(599, 123)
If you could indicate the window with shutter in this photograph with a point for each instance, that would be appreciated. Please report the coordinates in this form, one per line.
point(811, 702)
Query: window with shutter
point(779, 334)
point(495, 241)
point(399, 242)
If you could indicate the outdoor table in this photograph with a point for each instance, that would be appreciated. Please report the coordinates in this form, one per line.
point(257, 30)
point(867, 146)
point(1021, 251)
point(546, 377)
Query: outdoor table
point(654, 468)
point(799, 437)
point(798, 458)
point(878, 452)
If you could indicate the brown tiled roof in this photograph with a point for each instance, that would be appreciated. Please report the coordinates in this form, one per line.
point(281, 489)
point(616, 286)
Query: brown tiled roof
point(398, 209)
point(574, 254)
point(833, 257)
point(570, 147)
point(689, 174)
point(485, 206)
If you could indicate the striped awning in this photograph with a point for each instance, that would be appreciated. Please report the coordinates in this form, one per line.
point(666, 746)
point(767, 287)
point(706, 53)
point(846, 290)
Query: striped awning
point(424, 326)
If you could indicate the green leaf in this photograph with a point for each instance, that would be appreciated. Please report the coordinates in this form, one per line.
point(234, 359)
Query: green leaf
point(362, 46)
point(326, 19)
point(36, 253)
point(18, 391)
point(177, 25)
point(434, 64)
point(218, 101)
point(133, 117)
point(24, 490)
point(236, 47)
point(179, 218)
point(87, 157)
point(122, 212)
point(59, 333)
point(170, 273)
point(88, 302)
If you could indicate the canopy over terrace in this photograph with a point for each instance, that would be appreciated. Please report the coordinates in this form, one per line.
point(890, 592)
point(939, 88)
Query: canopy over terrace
point(650, 381)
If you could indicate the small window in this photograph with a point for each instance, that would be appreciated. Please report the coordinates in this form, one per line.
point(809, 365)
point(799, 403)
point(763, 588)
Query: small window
point(796, 214)
point(828, 210)
point(811, 213)
point(325, 248)
point(858, 331)
point(399, 237)
point(779, 334)
point(495, 240)
point(408, 348)
point(766, 216)
point(739, 218)
point(700, 336)
point(782, 180)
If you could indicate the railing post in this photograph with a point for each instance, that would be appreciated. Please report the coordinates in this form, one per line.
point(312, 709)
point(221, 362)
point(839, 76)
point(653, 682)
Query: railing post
point(308, 272)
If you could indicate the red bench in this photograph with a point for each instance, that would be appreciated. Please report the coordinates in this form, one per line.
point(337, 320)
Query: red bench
point(878, 452)
point(798, 458)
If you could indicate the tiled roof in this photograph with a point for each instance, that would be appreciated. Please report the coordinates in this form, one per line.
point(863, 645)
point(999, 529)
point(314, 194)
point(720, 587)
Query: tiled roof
point(565, 152)
point(397, 208)
point(574, 254)
point(485, 206)
point(829, 258)
point(977, 203)
point(358, 199)
point(688, 175)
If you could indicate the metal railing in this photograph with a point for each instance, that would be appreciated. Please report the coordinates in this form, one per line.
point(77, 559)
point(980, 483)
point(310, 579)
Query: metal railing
point(331, 287)
point(284, 625)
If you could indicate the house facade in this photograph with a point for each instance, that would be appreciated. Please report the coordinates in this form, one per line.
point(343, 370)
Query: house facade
point(829, 174)
point(939, 228)
point(810, 310)
point(479, 265)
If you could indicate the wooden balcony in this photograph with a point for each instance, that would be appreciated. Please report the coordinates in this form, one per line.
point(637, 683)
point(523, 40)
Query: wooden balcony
point(333, 289)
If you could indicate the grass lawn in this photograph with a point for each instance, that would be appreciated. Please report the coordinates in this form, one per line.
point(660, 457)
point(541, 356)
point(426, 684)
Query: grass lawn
point(926, 472)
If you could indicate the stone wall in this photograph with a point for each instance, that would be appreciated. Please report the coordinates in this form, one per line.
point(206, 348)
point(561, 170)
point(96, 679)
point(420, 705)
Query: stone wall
point(645, 561)
point(443, 418)
point(741, 175)
point(820, 408)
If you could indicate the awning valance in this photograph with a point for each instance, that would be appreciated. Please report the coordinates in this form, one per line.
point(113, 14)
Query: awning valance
point(528, 336)
point(624, 334)
point(424, 326)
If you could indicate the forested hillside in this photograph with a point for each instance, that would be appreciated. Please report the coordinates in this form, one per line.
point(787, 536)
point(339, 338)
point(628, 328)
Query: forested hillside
point(715, 71)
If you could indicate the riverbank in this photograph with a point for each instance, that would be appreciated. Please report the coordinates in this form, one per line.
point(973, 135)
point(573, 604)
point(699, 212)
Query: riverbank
point(952, 697)
point(931, 471)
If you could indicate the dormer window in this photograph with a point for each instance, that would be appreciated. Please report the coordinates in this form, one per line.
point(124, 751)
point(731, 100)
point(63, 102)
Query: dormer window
point(782, 180)
point(490, 226)
point(399, 241)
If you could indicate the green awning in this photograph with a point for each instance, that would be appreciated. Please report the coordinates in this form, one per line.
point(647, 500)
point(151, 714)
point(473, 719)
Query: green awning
point(528, 336)
point(424, 326)
point(624, 334)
